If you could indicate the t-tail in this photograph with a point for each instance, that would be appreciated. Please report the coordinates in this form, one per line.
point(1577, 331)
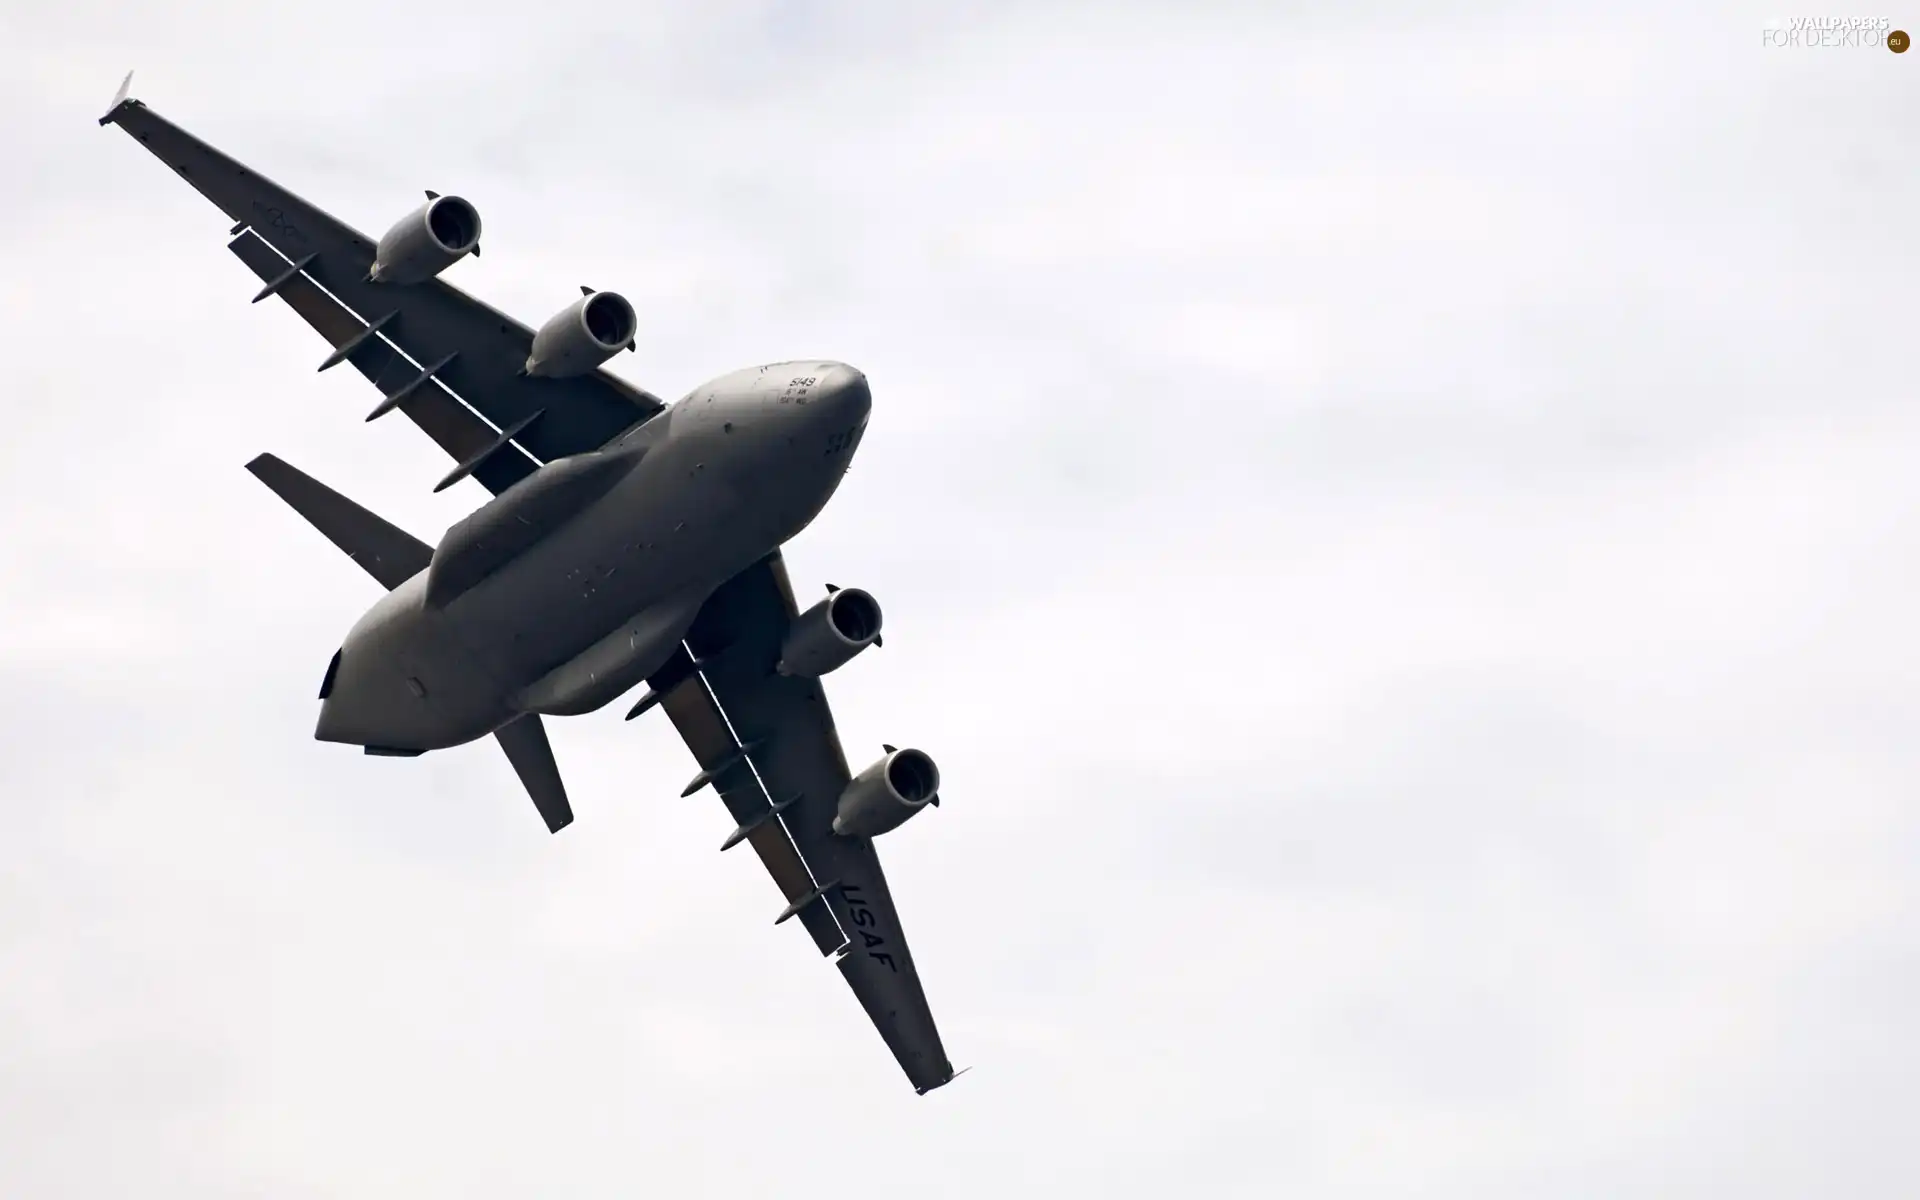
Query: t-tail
point(392, 556)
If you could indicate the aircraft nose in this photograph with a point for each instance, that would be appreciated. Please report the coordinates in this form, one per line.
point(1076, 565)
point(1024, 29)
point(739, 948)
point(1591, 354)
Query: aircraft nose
point(818, 417)
point(842, 397)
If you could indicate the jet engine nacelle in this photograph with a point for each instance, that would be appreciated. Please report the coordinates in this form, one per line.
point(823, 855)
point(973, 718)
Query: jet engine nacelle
point(828, 635)
point(583, 335)
point(884, 795)
point(427, 241)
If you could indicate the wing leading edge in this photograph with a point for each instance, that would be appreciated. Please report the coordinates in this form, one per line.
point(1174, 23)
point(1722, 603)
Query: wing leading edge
point(452, 365)
point(415, 341)
point(796, 754)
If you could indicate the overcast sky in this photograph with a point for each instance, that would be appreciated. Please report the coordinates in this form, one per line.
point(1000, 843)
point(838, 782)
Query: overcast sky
point(1402, 531)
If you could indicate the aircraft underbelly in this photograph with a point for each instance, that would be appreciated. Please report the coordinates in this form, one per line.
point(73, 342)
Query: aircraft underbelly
point(616, 663)
point(646, 555)
point(405, 681)
point(565, 627)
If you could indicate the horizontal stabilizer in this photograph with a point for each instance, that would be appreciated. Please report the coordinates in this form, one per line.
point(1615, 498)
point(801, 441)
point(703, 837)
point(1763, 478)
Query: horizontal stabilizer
point(525, 741)
point(388, 553)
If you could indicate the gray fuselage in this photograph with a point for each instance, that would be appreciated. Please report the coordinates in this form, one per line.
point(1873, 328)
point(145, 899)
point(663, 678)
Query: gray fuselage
point(604, 596)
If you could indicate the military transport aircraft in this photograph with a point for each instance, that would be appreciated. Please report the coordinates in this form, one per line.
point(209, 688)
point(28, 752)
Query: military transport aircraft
point(628, 541)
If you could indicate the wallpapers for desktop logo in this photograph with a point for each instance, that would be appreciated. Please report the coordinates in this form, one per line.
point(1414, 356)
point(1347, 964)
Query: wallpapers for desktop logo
point(1835, 33)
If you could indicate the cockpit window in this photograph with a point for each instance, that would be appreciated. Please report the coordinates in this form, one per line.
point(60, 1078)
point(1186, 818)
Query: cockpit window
point(333, 668)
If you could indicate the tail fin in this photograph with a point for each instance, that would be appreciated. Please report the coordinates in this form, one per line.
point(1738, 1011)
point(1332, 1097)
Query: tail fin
point(386, 552)
point(525, 741)
point(393, 556)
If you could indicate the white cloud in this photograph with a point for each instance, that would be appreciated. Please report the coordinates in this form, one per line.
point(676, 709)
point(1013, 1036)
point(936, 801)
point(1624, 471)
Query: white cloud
point(1395, 526)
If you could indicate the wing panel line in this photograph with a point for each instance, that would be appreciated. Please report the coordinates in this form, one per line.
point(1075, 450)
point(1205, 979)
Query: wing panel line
point(439, 413)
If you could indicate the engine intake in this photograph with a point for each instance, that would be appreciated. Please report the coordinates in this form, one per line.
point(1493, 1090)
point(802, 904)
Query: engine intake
point(583, 335)
point(828, 635)
point(883, 796)
point(427, 241)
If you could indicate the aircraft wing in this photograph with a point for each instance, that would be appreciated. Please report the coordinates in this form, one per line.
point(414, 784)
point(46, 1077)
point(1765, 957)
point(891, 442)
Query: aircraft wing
point(450, 362)
point(795, 751)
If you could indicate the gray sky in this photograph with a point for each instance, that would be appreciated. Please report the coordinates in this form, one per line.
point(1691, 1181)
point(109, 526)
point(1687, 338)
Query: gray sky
point(1400, 529)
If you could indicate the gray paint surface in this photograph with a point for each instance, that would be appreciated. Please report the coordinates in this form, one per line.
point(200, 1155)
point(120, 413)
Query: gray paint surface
point(597, 571)
point(1546, 833)
point(734, 475)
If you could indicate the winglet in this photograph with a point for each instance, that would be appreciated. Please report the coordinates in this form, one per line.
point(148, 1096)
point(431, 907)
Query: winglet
point(119, 98)
point(944, 1082)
